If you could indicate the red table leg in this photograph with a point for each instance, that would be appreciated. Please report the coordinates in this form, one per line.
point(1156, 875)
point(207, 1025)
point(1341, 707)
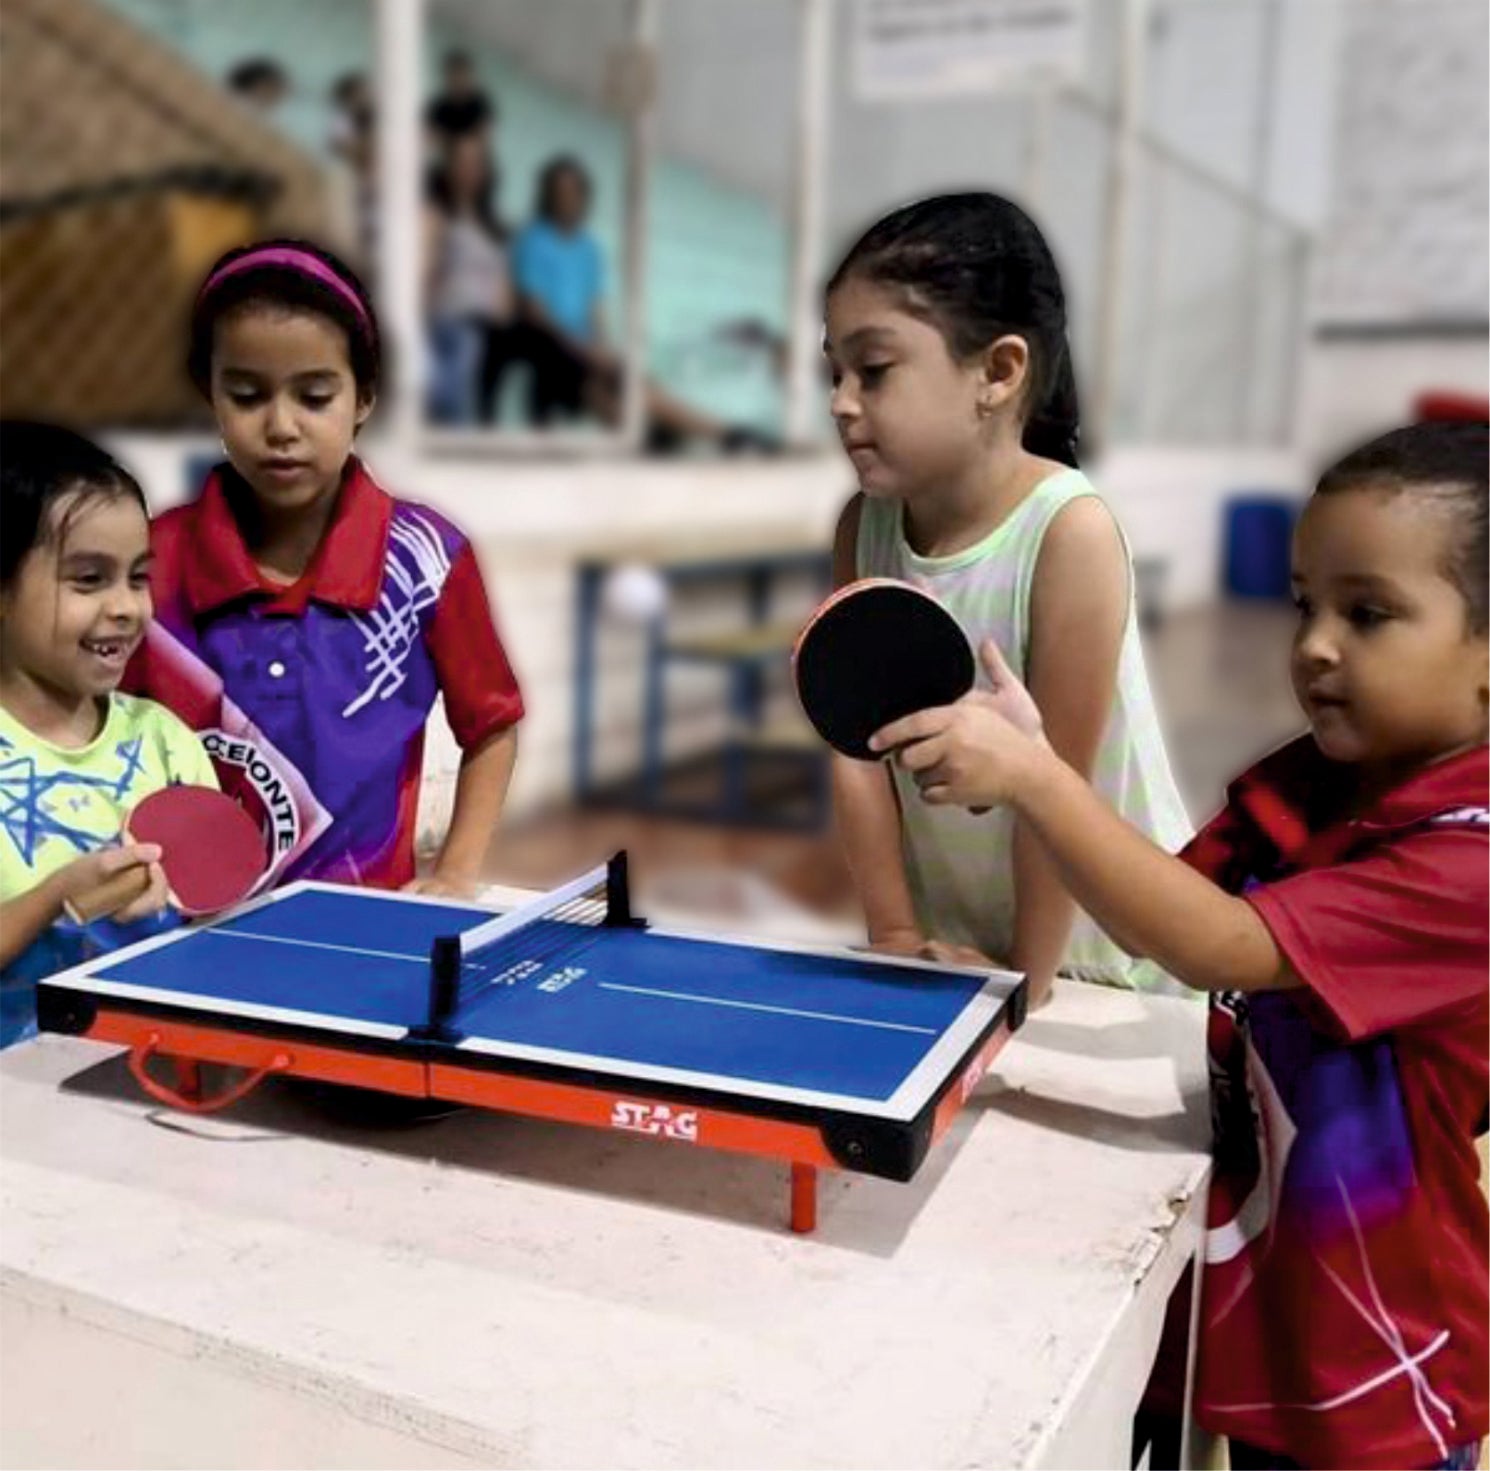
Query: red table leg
point(188, 1078)
point(804, 1198)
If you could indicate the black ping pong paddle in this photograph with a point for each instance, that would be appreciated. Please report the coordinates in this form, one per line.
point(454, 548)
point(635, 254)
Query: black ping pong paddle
point(875, 651)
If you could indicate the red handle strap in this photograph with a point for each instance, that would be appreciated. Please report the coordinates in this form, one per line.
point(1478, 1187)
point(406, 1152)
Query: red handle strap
point(141, 1053)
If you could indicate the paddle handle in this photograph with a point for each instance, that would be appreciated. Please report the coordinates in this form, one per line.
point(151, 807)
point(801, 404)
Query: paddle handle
point(111, 895)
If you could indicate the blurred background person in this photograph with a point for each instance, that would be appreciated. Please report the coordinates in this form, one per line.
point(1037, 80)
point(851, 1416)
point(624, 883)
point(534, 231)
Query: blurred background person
point(351, 140)
point(259, 82)
point(461, 109)
point(560, 276)
point(468, 286)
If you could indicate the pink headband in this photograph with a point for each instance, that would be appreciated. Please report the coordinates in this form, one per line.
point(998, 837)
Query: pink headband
point(291, 259)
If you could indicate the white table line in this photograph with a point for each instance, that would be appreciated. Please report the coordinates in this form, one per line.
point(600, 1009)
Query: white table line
point(314, 945)
point(820, 1016)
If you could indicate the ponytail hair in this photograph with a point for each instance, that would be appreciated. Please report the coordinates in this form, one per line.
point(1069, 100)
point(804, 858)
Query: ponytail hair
point(1053, 429)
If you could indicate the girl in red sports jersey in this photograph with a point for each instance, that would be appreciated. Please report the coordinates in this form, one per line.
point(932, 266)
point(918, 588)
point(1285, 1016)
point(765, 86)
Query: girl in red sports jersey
point(306, 619)
point(1337, 912)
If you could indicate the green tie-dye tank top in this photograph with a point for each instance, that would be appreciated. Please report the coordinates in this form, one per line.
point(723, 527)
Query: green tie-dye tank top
point(960, 865)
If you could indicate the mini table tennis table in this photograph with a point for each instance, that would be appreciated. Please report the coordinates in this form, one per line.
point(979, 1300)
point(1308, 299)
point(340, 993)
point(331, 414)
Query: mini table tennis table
point(567, 1008)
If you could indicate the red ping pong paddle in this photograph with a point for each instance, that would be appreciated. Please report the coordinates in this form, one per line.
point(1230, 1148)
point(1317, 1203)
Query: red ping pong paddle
point(211, 850)
point(875, 651)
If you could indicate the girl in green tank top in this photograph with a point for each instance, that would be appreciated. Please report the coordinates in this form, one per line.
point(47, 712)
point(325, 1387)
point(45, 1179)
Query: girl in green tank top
point(955, 400)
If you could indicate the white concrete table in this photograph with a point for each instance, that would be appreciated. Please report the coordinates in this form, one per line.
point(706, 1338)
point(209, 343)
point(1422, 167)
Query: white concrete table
point(278, 1287)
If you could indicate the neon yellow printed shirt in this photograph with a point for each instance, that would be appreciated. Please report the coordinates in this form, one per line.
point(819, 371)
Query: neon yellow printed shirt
point(58, 804)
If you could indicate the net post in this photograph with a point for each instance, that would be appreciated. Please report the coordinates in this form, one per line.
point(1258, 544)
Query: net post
point(618, 913)
point(444, 984)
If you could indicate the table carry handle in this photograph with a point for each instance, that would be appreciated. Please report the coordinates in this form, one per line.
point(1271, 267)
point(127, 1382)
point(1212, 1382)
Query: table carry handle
point(142, 1052)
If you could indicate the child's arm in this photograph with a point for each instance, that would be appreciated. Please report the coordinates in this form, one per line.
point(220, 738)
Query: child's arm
point(483, 705)
point(869, 827)
point(865, 805)
point(27, 915)
point(1078, 609)
point(969, 754)
point(480, 791)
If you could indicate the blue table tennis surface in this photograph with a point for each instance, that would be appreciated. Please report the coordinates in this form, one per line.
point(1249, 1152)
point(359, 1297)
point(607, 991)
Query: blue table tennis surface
point(824, 1023)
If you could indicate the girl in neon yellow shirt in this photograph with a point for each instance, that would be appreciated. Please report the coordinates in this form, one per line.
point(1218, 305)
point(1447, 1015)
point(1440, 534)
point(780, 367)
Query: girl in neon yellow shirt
point(75, 755)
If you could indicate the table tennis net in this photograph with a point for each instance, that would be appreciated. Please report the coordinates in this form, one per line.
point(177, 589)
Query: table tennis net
point(525, 945)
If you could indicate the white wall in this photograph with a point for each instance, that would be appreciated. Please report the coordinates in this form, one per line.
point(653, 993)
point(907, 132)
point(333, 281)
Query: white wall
point(1408, 234)
point(1355, 389)
point(1200, 360)
point(1170, 502)
point(1210, 97)
point(1406, 243)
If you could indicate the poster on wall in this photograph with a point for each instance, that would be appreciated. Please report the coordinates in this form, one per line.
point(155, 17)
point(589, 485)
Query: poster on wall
point(910, 49)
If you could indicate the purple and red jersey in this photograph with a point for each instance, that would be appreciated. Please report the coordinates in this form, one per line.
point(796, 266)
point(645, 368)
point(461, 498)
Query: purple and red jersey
point(312, 698)
point(1345, 1293)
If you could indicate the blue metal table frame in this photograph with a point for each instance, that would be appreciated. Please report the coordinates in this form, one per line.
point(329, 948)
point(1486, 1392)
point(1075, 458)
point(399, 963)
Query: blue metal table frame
point(759, 567)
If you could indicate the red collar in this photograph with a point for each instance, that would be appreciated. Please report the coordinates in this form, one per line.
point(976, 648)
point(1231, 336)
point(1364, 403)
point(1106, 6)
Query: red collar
point(346, 571)
point(1297, 795)
point(1461, 781)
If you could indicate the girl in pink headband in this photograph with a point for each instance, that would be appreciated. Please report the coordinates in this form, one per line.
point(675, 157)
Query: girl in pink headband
point(307, 620)
point(291, 275)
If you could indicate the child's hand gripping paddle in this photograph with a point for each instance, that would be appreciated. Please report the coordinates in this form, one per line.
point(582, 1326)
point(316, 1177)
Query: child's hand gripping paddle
point(875, 651)
point(211, 850)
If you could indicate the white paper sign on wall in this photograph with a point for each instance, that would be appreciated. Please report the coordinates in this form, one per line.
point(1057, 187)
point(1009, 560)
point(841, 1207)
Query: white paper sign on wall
point(908, 49)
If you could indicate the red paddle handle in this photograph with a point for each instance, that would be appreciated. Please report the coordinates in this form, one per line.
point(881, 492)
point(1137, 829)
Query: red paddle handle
point(110, 896)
